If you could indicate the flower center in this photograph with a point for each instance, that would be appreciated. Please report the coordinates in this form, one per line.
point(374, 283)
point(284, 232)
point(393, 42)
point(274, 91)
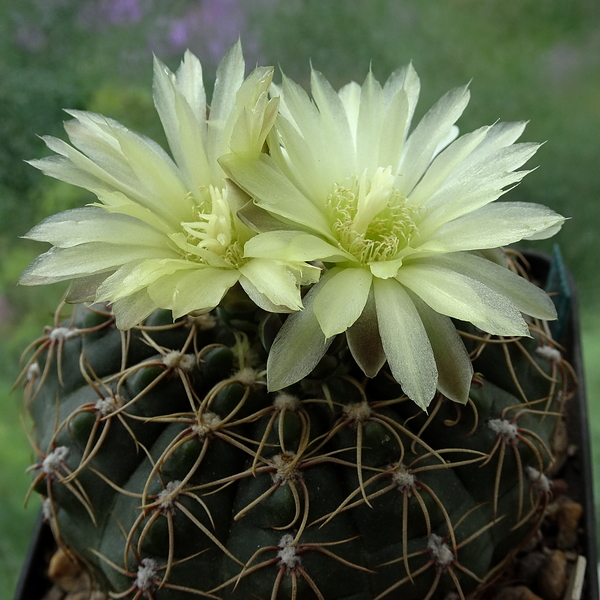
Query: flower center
point(211, 238)
point(370, 218)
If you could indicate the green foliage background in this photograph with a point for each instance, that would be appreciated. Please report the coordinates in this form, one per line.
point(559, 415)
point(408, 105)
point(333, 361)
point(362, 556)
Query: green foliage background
point(525, 59)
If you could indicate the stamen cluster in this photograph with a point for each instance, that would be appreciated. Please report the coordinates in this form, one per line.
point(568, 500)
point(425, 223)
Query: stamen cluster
point(389, 231)
point(212, 231)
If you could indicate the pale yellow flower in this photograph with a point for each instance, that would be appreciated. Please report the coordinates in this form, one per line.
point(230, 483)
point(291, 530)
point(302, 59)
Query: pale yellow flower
point(405, 222)
point(162, 234)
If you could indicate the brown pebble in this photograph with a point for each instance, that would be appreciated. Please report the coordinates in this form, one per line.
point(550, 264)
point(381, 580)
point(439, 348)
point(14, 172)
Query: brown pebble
point(552, 510)
point(517, 592)
point(559, 487)
point(567, 519)
point(528, 567)
point(66, 572)
point(552, 576)
point(532, 542)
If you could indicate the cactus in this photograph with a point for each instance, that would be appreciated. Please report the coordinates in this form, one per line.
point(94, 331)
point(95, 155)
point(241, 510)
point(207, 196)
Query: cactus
point(172, 472)
point(379, 441)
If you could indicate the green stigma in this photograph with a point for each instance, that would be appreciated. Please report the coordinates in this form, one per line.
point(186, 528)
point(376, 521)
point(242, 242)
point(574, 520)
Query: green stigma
point(211, 238)
point(370, 219)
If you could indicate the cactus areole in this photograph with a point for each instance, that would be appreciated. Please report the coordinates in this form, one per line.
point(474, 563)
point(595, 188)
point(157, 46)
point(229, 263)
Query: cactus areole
point(301, 366)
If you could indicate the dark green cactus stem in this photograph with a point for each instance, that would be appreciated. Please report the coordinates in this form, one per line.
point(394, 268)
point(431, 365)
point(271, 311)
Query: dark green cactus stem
point(172, 473)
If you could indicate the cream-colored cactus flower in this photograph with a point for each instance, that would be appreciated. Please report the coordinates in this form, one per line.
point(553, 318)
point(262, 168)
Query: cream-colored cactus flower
point(162, 234)
point(405, 221)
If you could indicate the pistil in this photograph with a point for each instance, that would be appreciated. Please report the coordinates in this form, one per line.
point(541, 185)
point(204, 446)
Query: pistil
point(371, 219)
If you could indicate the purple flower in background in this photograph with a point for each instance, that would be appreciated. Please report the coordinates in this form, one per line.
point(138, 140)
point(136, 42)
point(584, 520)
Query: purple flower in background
point(98, 14)
point(179, 33)
point(121, 12)
point(225, 18)
point(209, 27)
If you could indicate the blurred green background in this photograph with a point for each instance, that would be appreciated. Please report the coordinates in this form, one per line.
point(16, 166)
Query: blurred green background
point(526, 59)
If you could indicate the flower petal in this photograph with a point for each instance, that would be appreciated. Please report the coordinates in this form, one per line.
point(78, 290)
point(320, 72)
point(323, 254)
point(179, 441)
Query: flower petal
point(295, 154)
point(181, 105)
point(350, 96)
point(405, 342)
point(364, 340)
point(116, 202)
point(298, 109)
point(84, 289)
point(258, 219)
point(93, 224)
point(467, 190)
point(397, 120)
point(342, 299)
point(461, 297)
point(500, 135)
point(201, 290)
point(191, 85)
point(131, 163)
point(298, 347)
point(273, 191)
point(260, 299)
point(59, 264)
point(405, 79)
point(255, 113)
point(275, 281)
point(548, 232)
point(230, 75)
point(370, 124)
point(335, 128)
point(527, 297)
point(386, 268)
point(455, 371)
point(293, 246)
point(445, 165)
point(494, 225)
point(75, 168)
point(192, 290)
point(132, 310)
point(135, 275)
point(425, 139)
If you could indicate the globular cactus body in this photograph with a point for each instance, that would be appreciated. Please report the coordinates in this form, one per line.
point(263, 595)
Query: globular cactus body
point(168, 468)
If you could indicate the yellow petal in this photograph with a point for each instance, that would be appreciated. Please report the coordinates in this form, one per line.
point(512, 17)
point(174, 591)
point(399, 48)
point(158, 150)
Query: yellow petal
point(275, 281)
point(298, 347)
point(342, 299)
point(405, 341)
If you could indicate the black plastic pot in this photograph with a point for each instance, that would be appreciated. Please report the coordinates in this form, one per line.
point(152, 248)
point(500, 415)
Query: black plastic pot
point(577, 471)
point(33, 583)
